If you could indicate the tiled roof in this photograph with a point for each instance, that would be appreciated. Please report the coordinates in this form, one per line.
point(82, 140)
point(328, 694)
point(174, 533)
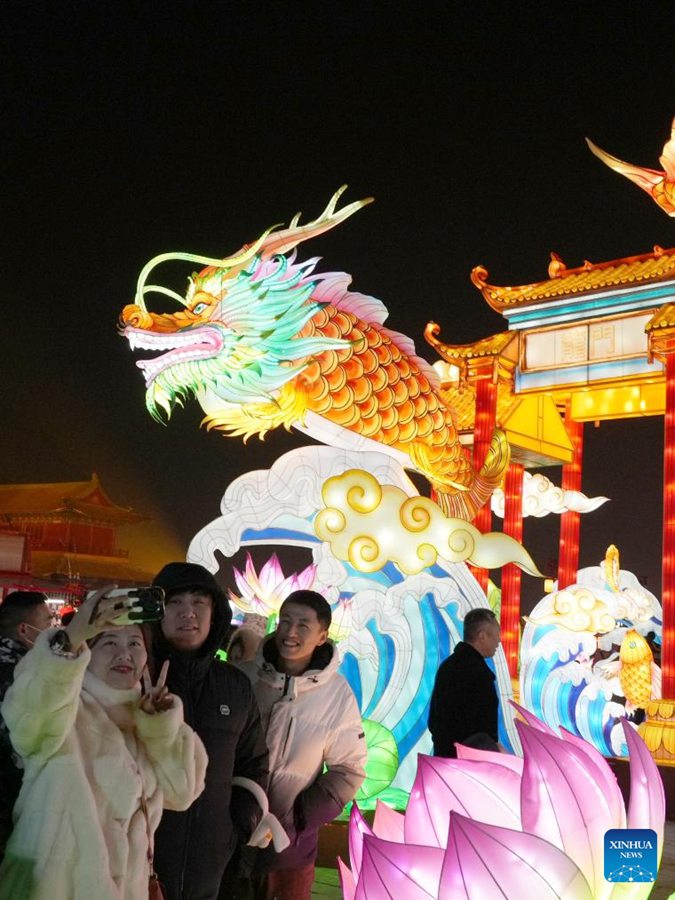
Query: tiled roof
point(489, 346)
point(84, 497)
point(662, 318)
point(563, 282)
point(47, 563)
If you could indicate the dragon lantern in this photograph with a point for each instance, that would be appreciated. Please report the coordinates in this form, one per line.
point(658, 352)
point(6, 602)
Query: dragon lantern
point(263, 340)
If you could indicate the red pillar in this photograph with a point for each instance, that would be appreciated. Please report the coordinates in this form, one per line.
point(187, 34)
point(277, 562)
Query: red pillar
point(484, 426)
point(568, 561)
point(513, 526)
point(668, 564)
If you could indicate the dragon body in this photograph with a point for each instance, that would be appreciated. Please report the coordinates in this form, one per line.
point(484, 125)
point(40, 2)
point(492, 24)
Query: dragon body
point(265, 341)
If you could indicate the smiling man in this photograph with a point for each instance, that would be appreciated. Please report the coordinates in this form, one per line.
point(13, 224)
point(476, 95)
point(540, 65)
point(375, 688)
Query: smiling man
point(315, 738)
point(193, 848)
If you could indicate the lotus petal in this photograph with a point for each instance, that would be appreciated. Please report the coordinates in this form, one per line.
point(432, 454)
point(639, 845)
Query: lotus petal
point(477, 789)
point(562, 803)
point(515, 763)
point(398, 871)
point(486, 861)
point(603, 774)
point(388, 824)
point(357, 828)
point(647, 804)
point(532, 720)
point(271, 574)
point(347, 881)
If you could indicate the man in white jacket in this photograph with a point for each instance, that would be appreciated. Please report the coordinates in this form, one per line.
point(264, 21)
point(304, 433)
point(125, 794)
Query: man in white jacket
point(315, 737)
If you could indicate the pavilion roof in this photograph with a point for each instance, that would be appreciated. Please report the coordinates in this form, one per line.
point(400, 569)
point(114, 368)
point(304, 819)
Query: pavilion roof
point(73, 499)
point(662, 318)
point(87, 566)
point(659, 265)
point(493, 345)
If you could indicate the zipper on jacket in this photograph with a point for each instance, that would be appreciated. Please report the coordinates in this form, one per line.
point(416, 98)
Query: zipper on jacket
point(187, 716)
point(288, 737)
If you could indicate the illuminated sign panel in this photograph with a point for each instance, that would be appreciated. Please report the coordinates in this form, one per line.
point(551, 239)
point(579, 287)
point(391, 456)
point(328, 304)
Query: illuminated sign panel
point(594, 342)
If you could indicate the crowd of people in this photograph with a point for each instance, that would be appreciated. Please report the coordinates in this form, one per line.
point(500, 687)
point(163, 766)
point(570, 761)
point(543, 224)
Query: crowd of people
point(135, 763)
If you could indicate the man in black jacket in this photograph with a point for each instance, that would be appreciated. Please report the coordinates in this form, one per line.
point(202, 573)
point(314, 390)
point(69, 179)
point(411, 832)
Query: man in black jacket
point(23, 615)
point(193, 848)
point(464, 700)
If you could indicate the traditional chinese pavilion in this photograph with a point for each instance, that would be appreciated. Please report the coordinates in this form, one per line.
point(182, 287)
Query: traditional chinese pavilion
point(68, 535)
point(587, 344)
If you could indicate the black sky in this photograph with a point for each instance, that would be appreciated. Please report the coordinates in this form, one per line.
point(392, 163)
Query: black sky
point(131, 129)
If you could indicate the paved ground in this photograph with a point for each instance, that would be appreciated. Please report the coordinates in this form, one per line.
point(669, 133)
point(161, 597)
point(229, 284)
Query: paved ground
point(327, 884)
point(665, 884)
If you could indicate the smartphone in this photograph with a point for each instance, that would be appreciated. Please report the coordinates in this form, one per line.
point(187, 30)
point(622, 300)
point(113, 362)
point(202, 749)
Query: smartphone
point(148, 605)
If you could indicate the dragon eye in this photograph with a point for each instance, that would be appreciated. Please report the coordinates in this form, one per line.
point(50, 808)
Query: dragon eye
point(199, 308)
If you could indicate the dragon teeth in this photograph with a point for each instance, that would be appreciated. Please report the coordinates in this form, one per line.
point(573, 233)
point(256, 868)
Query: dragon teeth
point(149, 341)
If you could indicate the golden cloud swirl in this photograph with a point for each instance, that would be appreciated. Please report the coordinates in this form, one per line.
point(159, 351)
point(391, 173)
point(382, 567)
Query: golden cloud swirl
point(368, 525)
point(577, 609)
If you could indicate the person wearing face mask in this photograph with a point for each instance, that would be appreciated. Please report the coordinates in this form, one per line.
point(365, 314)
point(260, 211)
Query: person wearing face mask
point(102, 758)
point(23, 615)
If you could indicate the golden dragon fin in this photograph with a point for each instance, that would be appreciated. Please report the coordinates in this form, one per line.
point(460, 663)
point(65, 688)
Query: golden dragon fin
point(465, 504)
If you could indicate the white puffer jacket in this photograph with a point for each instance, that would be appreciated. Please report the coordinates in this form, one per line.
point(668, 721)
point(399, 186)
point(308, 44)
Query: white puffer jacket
point(310, 720)
point(90, 754)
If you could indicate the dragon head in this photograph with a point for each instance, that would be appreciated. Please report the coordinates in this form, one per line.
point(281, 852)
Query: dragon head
point(239, 333)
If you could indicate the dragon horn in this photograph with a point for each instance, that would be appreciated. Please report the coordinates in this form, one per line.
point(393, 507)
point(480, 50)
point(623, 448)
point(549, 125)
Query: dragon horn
point(239, 259)
point(267, 244)
point(283, 241)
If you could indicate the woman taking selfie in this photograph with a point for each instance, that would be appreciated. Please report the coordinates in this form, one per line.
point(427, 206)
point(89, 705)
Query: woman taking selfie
point(101, 759)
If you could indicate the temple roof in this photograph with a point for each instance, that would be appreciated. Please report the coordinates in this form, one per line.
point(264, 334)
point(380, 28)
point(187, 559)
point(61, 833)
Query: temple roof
point(86, 566)
point(662, 318)
point(488, 346)
point(71, 499)
point(659, 265)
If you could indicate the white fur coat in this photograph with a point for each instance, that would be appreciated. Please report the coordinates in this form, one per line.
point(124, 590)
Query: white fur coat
point(89, 754)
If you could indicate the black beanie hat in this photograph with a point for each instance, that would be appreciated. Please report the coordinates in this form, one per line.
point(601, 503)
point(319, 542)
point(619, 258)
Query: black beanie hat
point(181, 576)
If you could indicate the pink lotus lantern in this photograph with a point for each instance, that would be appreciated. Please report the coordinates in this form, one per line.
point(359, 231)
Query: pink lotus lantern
point(494, 825)
point(263, 592)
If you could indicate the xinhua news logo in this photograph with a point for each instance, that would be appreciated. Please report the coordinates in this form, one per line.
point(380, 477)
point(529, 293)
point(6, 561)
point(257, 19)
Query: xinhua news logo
point(630, 854)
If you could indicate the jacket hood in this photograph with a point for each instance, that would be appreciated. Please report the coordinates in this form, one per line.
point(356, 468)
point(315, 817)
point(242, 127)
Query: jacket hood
point(323, 664)
point(176, 577)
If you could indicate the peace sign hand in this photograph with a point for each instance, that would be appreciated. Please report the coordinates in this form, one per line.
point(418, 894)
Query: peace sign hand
point(156, 699)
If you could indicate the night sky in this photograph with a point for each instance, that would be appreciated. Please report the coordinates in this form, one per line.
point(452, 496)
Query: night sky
point(132, 129)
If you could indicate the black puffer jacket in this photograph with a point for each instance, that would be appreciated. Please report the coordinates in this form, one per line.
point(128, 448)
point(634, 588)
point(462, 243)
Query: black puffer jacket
point(193, 848)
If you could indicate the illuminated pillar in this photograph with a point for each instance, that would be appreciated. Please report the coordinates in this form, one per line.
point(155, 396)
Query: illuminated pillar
point(568, 560)
point(484, 426)
point(668, 563)
point(513, 526)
